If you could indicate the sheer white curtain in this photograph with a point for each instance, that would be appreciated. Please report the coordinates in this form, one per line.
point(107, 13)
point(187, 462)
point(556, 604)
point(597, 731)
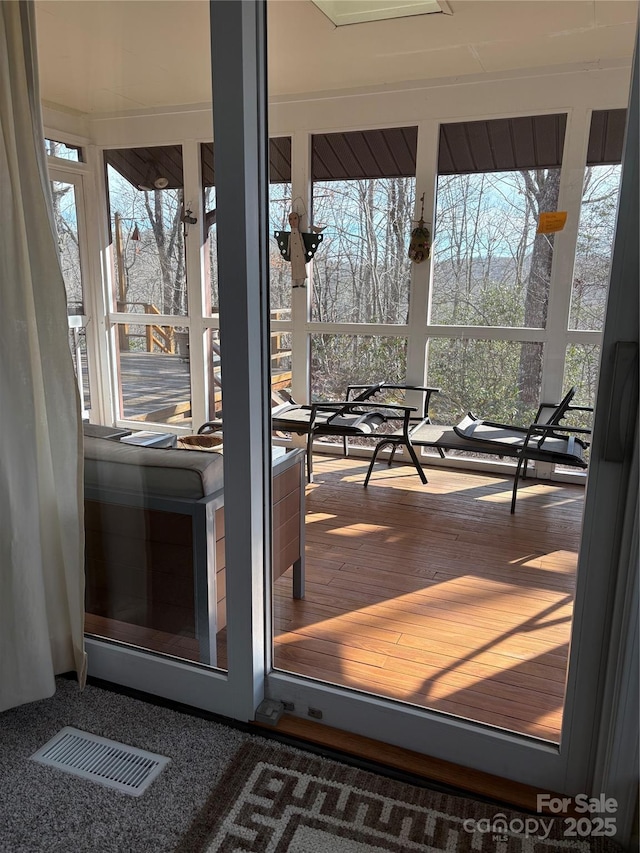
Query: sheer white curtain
point(41, 520)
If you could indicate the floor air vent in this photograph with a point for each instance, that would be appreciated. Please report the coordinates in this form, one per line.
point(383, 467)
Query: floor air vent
point(107, 762)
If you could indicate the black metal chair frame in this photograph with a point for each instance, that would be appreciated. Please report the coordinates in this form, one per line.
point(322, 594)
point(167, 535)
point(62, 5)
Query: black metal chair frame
point(546, 425)
point(364, 418)
point(574, 454)
point(356, 416)
point(402, 436)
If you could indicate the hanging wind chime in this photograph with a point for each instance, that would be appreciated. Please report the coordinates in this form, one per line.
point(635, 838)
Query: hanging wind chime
point(420, 243)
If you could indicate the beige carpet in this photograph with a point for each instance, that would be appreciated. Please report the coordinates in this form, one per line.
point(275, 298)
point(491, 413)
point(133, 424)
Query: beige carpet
point(277, 799)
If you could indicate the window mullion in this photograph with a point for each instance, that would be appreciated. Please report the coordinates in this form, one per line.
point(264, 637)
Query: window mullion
point(564, 252)
point(196, 308)
point(421, 274)
point(301, 187)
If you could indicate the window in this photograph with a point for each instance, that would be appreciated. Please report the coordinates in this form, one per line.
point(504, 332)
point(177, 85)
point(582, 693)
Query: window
point(490, 267)
point(154, 375)
point(364, 191)
point(494, 179)
point(581, 369)
point(481, 376)
point(211, 242)
point(279, 207)
point(146, 207)
point(65, 213)
point(66, 196)
point(280, 203)
point(597, 220)
point(279, 269)
point(341, 360)
point(63, 151)
point(595, 246)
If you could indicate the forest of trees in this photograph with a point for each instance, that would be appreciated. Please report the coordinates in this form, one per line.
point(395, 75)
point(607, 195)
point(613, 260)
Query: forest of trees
point(490, 268)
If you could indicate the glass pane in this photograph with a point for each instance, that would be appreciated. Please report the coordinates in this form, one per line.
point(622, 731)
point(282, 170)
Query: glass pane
point(78, 347)
point(279, 269)
point(148, 243)
point(215, 374)
point(361, 272)
point(595, 244)
point(341, 360)
point(582, 369)
point(279, 208)
point(140, 586)
point(65, 215)
point(433, 594)
point(280, 369)
point(490, 267)
point(154, 374)
point(211, 237)
point(63, 151)
point(280, 363)
point(487, 378)
point(149, 584)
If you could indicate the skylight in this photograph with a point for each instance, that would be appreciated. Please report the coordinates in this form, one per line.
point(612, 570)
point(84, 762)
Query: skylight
point(343, 12)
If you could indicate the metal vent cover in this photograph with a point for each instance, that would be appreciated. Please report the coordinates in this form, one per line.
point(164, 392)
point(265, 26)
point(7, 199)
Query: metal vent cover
point(107, 762)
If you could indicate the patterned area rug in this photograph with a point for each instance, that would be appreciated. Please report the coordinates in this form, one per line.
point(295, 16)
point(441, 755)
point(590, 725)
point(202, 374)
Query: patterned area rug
point(277, 799)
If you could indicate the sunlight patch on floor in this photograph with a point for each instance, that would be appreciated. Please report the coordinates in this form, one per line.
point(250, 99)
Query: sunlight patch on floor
point(503, 497)
point(563, 561)
point(560, 502)
point(311, 517)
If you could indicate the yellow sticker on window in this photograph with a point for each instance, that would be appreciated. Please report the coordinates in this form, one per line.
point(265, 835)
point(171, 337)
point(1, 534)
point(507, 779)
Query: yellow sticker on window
point(548, 223)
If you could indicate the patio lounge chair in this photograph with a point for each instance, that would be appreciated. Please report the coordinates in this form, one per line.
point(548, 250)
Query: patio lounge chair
point(355, 416)
point(545, 440)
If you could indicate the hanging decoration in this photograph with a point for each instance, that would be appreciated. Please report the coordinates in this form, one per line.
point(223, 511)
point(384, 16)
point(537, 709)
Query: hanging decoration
point(298, 247)
point(187, 218)
point(420, 244)
point(135, 236)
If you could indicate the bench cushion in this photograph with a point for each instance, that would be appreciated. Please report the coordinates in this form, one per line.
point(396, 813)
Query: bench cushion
point(154, 471)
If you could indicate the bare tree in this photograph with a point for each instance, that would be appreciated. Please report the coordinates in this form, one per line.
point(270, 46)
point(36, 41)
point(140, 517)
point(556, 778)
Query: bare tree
point(164, 215)
point(152, 247)
point(66, 222)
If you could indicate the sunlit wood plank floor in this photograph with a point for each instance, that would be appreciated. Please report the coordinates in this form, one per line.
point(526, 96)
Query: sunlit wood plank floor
point(435, 594)
point(432, 594)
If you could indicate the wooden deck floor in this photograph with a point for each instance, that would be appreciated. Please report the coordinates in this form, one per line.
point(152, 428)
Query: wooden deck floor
point(435, 594)
point(431, 594)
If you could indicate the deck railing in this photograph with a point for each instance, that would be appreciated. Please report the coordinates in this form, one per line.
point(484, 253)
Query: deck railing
point(162, 337)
